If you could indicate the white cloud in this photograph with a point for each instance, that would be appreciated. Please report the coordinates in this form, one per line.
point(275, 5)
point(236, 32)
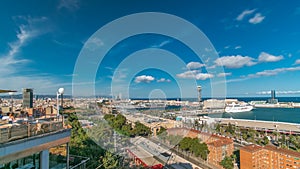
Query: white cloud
point(163, 80)
point(161, 44)
point(194, 65)
point(297, 62)
point(224, 74)
point(11, 64)
point(258, 18)
point(204, 76)
point(190, 74)
point(266, 57)
point(194, 74)
point(144, 79)
point(237, 61)
point(264, 73)
point(71, 5)
point(279, 92)
point(238, 47)
point(9, 61)
point(273, 72)
point(244, 14)
point(119, 75)
point(94, 43)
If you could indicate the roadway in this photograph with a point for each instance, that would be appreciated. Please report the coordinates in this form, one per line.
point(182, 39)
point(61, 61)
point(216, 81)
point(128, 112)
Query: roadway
point(164, 154)
point(198, 162)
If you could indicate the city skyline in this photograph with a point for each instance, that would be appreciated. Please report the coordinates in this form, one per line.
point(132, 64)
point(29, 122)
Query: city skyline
point(256, 42)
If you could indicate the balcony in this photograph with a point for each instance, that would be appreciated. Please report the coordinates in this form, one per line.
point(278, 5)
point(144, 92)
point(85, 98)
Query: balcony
point(24, 139)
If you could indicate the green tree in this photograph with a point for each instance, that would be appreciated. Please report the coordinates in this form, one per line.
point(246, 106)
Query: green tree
point(197, 124)
point(126, 130)
point(193, 145)
point(266, 140)
point(119, 121)
point(245, 136)
point(110, 161)
point(162, 134)
point(81, 144)
point(282, 141)
point(259, 141)
point(203, 151)
point(185, 144)
point(230, 128)
point(141, 130)
point(218, 128)
point(109, 118)
point(275, 134)
point(227, 163)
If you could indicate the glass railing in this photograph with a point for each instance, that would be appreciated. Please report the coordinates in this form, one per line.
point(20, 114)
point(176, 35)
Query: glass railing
point(26, 129)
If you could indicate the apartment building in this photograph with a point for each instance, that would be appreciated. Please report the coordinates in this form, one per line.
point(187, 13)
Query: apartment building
point(268, 157)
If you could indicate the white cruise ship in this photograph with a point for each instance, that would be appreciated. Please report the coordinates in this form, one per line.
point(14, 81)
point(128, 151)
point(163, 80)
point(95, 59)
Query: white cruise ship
point(236, 108)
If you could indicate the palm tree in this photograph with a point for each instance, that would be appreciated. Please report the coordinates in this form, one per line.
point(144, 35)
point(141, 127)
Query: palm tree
point(275, 134)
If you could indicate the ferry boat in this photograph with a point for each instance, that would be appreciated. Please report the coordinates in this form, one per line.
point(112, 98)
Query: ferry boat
point(237, 108)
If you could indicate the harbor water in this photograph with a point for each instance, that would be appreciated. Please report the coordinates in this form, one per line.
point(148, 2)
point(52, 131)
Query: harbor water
point(291, 115)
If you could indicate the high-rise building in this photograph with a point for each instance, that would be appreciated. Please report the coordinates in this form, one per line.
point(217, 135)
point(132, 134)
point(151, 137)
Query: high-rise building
point(199, 89)
point(273, 94)
point(27, 98)
point(273, 99)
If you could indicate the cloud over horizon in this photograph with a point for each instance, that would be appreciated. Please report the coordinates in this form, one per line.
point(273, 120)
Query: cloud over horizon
point(144, 79)
point(194, 74)
point(234, 62)
point(194, 65)
point(266, 57)
point(163, 80)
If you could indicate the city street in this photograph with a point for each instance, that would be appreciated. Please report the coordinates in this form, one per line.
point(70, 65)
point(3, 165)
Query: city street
point(164, 154)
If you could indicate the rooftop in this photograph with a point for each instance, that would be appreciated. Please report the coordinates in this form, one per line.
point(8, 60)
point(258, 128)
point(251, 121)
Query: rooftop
point(254, 148)
point(282, 151)
point(251, 148)
point(221, 142)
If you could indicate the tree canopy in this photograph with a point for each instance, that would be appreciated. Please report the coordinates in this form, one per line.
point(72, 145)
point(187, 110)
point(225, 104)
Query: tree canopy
point(193, 145)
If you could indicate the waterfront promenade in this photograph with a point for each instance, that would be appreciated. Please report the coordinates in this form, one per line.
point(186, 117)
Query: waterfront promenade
point(269, 126)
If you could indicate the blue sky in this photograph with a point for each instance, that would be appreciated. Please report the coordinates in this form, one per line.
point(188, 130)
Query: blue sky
point(257, 43)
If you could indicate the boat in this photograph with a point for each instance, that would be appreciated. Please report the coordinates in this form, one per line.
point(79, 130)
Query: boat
point(237, 108)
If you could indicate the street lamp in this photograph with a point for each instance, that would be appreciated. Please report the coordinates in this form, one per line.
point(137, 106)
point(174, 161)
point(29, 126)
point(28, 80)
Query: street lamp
point(11, 101)
point(60, 92)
